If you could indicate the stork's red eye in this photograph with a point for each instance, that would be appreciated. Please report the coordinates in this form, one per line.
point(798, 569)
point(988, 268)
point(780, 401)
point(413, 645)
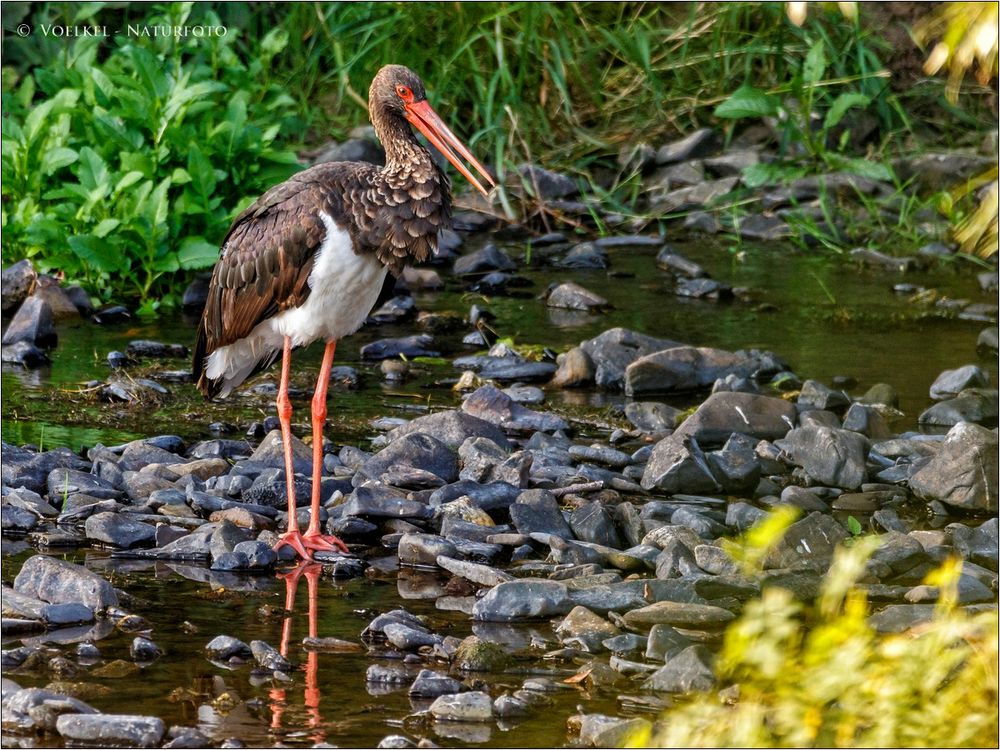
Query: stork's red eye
point(404, 93)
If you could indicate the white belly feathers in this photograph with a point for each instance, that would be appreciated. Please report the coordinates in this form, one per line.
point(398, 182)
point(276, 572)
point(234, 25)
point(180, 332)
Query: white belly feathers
point(344, 286)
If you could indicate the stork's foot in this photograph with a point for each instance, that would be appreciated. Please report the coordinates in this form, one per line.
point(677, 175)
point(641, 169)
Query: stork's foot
point(305, 544)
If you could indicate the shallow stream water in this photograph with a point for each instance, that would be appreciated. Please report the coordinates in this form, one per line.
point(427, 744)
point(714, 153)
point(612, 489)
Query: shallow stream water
point(825, 316)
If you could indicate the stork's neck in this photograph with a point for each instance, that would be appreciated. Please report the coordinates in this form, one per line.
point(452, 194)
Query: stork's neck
point(403, 151)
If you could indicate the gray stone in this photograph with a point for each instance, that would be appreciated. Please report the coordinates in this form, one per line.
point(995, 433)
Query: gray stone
point(16, 284)
point(492, 405)
point(414, 450)
point(471, 706)
point(677, 464)
point(25, 354)
point(422, 550)
point(813, 538)
point(615, 349)
point(514, 601)
point(736, 467)
point(664, 642)
point(225, 647)
point(687, 615)
point(897, 618)
point(572, 296)
point(597, 730)
point(979, 405)
point(32, 710)
point(963, 473)
point(575, 369)
point(699, 143)
point(430, 684)
point(688, 671)
point(408, 638)
point(651, 417)
point(545, 184)
point(830, 456)
point(593, 523)
point(585, 630)
point(818, 396)
point(538, 511)
point(33, 322)
point(584, 255)
point(483, 261)
point(260, 556)
point(118, 530)
point(483, 575)
point(952, 382)
point(112, 729)
point(410, 347)
point(453, 428)
point(143, 649)
point(724, 413)
point(268, 657)
point(58, 581)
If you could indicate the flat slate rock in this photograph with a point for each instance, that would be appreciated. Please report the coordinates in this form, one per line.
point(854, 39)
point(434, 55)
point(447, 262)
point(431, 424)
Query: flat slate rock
point(58, 581)
point(525, 599)
point(452, 428)
point(112, 729)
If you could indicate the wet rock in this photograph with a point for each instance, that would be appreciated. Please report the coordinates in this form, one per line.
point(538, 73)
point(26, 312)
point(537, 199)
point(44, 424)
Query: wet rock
point(979, 405)
point(866, 420)
point(813, 538)
point(395, 742)
point(407, 346)
point(597, 730)
point(58, 581)
point(897, 618)
point(268, 657)
point(735, 467)
point(112, 729)
point(477, 655)
point(25, 354)
point(430, 684)
point(489, 258)
point(575, 369)
point(952, 382)
point(453, 428)
point(482, 575)
point(538, 511)
point(593, 522)
point(615, 349)
point(868, 257)
point(692, 198)
point(682, 368)
point(585, 630)
point(688, 671)
point(828, 455)
point(664, 642)
point(509, 707)
point(545, 184)
point(33, 322)
point(380, 675)
point(492, 405)
point(815, 395)
point(572, 296)
point(423, 549)
point(677, 464)
point(508, 368)
point(415, 450)
point(156, 349)
point(988, 340)
point(525, 394)
point(408, 638)
point(225, 648)
point(373, 501)
point(584, 255)
point(651, 416)
point(679, 614)
point(47, 288)
point(118, 531)
point(515, 601)
point(258, 554)
point(16, 284)
point(703, 289)
point(143, 649)
point(38, 710)
point(700, 143)
point(670, 260)
point(963, 473)
point(111, 314)
point(196, 294)
point(724, 413)
point(471, 706)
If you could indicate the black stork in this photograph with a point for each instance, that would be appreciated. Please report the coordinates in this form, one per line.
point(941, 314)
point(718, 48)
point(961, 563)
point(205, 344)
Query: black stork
point(309, 259)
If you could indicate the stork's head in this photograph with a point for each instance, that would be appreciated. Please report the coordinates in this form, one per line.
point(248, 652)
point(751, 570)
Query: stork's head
point(397, 91)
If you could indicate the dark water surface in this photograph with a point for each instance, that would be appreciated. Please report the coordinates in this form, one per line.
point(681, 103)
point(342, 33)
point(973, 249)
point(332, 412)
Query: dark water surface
point(824, 316)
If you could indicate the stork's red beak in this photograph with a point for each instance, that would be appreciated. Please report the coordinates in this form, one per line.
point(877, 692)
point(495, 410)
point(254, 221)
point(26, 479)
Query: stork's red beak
point(426, 120)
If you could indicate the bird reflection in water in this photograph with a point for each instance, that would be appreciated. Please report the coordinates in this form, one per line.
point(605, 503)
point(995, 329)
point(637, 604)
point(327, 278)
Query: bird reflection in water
point(311, 571)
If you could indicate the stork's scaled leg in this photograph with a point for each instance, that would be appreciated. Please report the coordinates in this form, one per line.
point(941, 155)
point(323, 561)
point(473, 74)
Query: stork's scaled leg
point(313, 539)
point(292, 537)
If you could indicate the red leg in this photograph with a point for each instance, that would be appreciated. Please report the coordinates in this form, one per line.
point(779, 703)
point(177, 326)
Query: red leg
point(313, 539)
point(292, 537)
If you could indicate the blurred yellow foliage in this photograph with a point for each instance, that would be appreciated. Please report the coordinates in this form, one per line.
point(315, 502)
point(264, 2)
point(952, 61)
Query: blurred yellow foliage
point(822, 677)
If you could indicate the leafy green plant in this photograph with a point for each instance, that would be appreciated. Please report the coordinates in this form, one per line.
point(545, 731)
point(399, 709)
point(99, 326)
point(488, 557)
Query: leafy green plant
point(121, 170)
